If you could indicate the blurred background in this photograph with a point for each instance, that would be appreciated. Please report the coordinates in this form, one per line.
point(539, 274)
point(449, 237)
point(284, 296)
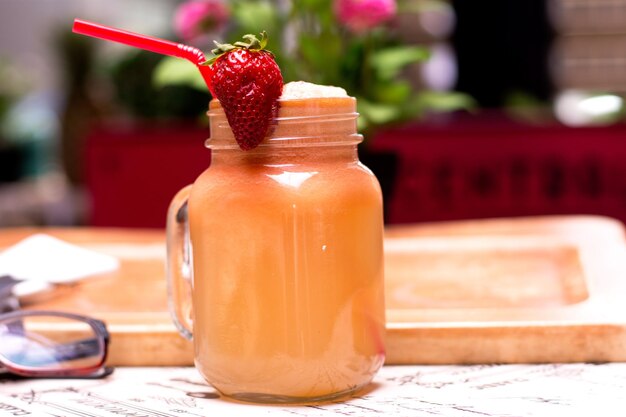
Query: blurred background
point(469, 109)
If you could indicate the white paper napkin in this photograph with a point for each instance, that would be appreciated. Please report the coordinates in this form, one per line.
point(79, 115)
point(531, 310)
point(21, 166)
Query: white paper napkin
point(43, 258)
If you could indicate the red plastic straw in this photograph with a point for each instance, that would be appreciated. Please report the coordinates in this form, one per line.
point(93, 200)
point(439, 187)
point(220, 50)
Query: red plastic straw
point(148, 43)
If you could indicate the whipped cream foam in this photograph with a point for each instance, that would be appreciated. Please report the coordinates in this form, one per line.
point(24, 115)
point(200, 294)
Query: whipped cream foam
point(300, 89)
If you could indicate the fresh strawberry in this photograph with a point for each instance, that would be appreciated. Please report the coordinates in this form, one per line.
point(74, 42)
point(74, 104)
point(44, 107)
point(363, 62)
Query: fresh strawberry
point(247, 82)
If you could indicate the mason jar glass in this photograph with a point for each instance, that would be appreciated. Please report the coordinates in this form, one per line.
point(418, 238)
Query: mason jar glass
point(275, 259)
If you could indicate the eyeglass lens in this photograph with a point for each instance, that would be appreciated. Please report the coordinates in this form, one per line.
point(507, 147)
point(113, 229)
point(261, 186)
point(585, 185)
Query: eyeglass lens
point(49, 343)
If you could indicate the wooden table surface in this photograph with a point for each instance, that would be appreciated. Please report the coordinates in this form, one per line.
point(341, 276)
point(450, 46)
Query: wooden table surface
point(543, 289)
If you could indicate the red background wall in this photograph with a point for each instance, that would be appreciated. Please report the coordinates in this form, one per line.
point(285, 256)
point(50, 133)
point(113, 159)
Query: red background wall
point(470, 170)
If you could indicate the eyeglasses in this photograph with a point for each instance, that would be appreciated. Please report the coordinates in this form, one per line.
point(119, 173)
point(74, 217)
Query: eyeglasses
point(53, 344)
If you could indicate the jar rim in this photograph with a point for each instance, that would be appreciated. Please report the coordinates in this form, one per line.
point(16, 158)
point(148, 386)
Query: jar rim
point(310, 102)
point(327, 121)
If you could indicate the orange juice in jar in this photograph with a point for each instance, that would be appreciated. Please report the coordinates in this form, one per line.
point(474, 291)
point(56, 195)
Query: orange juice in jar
point(283, 248)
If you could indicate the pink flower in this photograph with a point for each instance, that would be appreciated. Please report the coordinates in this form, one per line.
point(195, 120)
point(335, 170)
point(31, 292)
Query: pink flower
point(361, 15)
point(198, 18)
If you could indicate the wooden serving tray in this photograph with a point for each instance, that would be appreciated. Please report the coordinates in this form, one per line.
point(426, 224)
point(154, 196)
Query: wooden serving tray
point(544, 289)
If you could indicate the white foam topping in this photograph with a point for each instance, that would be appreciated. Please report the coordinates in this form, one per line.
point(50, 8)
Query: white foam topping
point(300, 89)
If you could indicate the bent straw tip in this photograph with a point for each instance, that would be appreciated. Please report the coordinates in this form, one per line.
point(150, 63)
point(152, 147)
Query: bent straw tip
point(80, 25)
point(78, 21)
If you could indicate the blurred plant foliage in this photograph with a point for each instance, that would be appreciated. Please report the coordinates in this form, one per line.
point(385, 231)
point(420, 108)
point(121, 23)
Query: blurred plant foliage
point(14, 85)
point(312, 41)
point(133, 75)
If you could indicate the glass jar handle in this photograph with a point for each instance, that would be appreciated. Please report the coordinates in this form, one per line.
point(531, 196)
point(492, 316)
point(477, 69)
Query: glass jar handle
point(180, 264)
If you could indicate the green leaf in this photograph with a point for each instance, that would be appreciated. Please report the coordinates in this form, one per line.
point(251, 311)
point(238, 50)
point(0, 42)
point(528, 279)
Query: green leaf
point(392, 92)
point(309, 52)
point(256, 16)
point(378, 113)
point(362, 123)
point(388, 62)
point(421, 6)
point(318, 55)
point(315, 5)
point(176, 71)
point(439, 101)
